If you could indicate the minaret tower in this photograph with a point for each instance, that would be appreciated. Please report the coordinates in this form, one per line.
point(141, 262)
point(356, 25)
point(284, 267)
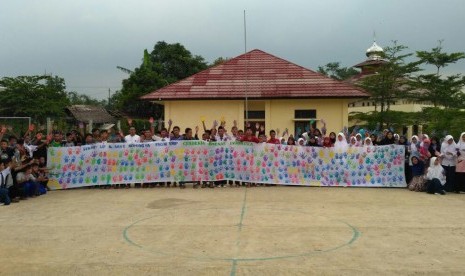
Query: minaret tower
point(375, 58)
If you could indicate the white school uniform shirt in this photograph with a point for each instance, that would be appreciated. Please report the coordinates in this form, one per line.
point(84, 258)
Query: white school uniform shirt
point(225, 138)
point(21, 177)
point(4, 179)
point(132, 139)
point(435, 172)
point(30, 149)
point(449, 160)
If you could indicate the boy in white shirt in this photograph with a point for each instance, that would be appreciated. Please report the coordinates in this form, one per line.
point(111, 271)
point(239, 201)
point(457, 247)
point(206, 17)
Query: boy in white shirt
point(5, 167)
point(132, 137)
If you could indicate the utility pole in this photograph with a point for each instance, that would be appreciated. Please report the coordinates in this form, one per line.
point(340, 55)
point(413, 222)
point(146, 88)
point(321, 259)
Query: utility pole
point(109, 95)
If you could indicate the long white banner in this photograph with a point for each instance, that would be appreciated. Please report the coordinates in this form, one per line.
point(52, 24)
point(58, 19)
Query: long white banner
point(103, 164)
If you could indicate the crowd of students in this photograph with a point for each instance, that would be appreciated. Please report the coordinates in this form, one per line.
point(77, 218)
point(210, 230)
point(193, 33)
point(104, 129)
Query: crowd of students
point(23, 174)
point(431, 164)
point(436, 167)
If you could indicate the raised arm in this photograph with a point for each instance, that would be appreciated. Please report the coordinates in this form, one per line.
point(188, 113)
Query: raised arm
point(215, 124)
point(196, 136)
point(121, 132)
point(222, 122)
point(345, 130)
point(18, 168)
point(323, 129)
point(29, 130)
point(2, 131)
point(152, 126)
point(203, 125)
point(170, 123)
point(285, 133)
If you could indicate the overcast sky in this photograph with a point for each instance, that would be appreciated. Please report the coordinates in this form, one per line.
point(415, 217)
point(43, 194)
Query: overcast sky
point(83, 41)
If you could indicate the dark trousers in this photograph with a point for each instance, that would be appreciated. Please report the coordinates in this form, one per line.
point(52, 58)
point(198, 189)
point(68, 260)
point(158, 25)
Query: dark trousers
point(460, 182)
point(4, 196)
point(408, 172)
point(28, 189)
point(15, 191)
point(434, 186)
point(450, 178)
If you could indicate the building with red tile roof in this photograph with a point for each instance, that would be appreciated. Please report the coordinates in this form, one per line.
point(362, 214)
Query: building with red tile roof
point(258, 75)
point(259, 88)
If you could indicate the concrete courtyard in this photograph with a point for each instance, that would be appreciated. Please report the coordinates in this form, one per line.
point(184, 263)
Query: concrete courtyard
point(234, 231)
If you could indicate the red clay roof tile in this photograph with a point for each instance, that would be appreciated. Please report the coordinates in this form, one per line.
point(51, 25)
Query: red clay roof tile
point(258, 75)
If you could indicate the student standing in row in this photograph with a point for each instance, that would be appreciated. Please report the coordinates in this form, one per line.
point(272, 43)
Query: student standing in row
point(460, 168)
point(449, 160)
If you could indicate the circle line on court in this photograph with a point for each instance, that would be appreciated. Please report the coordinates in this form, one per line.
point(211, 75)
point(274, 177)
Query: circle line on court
point(355, 236)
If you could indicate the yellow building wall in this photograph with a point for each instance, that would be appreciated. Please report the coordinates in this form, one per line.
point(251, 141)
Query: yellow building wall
point(278, 113)
point(189, 113)
point(333, 111)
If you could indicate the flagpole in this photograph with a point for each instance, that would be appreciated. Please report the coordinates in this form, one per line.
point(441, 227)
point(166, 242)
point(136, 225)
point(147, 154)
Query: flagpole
point(246, 72)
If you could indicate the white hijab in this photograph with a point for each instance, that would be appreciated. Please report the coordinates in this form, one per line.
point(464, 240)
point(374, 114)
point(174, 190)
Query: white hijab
point(435, 171)
point(358, 143)
point(422, 143)
point(413, 146)
point(461, 146)
point(431, 162)
point(298, 142)
point(449, 160)
point(368, 144)
point(353, 141)
point(305, 136)
point(448, 147)
point(341, 145)
point(461, 143)
point(368, 139)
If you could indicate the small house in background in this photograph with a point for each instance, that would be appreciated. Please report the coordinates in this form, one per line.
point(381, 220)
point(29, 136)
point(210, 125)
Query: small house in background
point(257, 87)
point(91, 116)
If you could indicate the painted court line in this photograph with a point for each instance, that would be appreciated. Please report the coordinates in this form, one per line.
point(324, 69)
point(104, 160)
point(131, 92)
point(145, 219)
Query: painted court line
point(236, 259)
point(239, 230)
point(126, 236)
point(244, 202)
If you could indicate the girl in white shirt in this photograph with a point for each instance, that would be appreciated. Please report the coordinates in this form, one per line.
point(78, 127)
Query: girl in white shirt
point(449, 161)
point(436, 177)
